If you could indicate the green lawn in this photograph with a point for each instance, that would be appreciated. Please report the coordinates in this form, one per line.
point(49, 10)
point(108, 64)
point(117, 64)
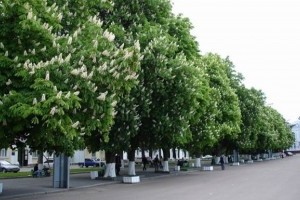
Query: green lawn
point(28, 174)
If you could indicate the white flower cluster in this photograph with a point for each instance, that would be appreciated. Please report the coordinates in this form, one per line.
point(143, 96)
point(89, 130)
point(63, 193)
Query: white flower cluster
point(137, 45)
point(75, 125)
point(95, 20)
point(43, 98)
point(102, 96)
point(28, 65)
point(9, 82)
point(53, 110)
point(108, 35)
point(31, 16)
point(77, 32)
point(48, 27)
point(34, 101)
point(102, 68)
point(58, 96)
point(132, 76)
point(105, 53)
point(113, 112)
point(47, 78)
point(128, 54)
point(83, 72)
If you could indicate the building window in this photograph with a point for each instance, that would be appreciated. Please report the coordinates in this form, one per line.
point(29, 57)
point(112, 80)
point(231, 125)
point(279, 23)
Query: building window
point(3, 153)
point(35, 154)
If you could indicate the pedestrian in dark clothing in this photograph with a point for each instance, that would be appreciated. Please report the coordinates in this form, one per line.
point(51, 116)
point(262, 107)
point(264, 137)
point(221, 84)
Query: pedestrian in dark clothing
point(222, 162)
point(145, 162)
point(118, 164)
point(156, 163)
point(36, 172)
point(35, 168)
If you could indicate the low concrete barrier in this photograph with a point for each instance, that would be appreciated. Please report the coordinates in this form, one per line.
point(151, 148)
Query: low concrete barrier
point(207, 168)
point(131, 179)
point(94, 174)
point(235, 164)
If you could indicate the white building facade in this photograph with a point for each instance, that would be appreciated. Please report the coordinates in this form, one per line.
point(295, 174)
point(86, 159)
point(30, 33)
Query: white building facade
point(25, 157)
point(296, 130)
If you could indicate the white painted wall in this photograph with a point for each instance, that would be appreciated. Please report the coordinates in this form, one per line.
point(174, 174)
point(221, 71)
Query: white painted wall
point(296, 131)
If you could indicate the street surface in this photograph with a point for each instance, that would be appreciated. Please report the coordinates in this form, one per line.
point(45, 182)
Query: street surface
point(268, 180)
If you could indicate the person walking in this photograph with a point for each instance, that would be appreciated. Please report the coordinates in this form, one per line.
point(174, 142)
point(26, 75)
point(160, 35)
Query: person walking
point(145, 162)
point(118, 164)
point(222, 162)
point(156, 163)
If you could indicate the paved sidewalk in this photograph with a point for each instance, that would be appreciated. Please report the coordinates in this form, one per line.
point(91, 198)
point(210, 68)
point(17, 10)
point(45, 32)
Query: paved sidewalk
point(14, 188)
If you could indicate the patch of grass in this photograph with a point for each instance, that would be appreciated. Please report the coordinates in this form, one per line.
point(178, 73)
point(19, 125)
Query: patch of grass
point(15, 175)
point(28, 174)
point(85, 170)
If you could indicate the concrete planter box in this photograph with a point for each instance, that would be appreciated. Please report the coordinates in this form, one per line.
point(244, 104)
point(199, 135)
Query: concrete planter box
point(1, 187)
point(235, 164)
point(131, 179)
point(94, 174)
point(250, 161)
point(207, 168)
point(177, 168)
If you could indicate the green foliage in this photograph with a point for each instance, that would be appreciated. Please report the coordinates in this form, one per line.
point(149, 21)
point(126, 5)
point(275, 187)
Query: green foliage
point(227, 118)
point(121, 75)
point(58, 70)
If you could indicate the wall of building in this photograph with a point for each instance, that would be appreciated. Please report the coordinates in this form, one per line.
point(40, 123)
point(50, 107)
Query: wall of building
point(296, 131)
point(79, 155)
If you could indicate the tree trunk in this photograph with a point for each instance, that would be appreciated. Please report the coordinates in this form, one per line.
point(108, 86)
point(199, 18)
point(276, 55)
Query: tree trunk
point(174, 152)
point(166, 166)
point(166, 153)
point(151, 153)
point(198, 160)
point(143, 152)
point(40, 160)
point(131, 164)
point(159, 153)
point(110, 170)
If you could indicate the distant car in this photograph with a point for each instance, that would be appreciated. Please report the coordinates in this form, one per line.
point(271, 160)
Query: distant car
point(48, 163)
point(89, 163)
point(6, 166)
point(101, 162)
point(288, 153)
point(207, 157)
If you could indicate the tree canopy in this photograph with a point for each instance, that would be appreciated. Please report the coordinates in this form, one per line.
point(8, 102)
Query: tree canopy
point(120, 75)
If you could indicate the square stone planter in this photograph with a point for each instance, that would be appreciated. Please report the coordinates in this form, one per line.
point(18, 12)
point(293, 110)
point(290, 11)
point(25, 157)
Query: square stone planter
point(94, 174)
point(235, 164)
point(1, 187)
point(177, 168)
point(207, 168)
point(131, 179)
point(250, 161)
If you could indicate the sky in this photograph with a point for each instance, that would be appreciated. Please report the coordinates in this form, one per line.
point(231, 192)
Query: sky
point(261, 38)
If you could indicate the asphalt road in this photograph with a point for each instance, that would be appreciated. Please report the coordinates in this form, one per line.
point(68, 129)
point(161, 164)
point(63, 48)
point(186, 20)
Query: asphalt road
point(268, 180)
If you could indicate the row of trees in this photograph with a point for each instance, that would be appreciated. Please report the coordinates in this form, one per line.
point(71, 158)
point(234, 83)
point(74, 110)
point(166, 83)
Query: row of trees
point(121, 75)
